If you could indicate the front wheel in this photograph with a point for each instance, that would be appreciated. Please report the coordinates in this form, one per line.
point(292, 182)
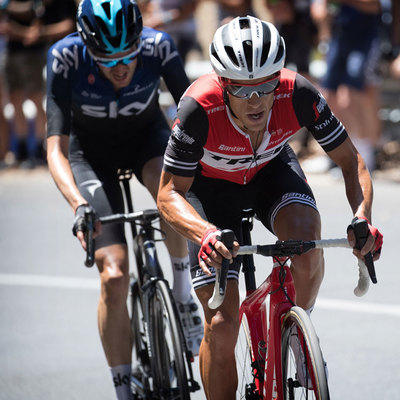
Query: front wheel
point(303, 367)
point(166, 340)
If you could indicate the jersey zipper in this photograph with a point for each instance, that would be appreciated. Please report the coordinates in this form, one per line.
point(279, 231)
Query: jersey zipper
point(254, 160)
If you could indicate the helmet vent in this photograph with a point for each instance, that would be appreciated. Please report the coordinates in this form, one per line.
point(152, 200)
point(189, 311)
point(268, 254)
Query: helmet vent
point(88, 27)
point(231, 55)
point(102, 26)
point(106, 8)
point(248, 53)
point(266, 47)
point(281, 51)
point(215, 54)
point(244, 23)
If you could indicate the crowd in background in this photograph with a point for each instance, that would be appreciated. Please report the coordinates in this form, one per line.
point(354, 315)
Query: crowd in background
point(349, 48)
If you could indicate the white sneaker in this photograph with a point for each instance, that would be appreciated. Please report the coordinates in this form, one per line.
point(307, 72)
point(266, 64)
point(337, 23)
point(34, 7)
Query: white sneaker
point(192, 324)
point(302, 374)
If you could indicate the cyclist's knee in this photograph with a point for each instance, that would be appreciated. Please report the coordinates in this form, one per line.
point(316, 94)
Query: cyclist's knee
point(114, 275)
point(221, 333)
point(310, 264)
point(114, 285)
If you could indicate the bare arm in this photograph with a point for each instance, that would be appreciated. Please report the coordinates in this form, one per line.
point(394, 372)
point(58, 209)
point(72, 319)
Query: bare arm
point(177, 212)
point(359, 189)
point(356, 178)
point(60, 169)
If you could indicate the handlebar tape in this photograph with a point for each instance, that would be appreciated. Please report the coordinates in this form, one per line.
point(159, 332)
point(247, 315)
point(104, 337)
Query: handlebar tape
point(361, 233)
point(89, 239)
point(221, 274)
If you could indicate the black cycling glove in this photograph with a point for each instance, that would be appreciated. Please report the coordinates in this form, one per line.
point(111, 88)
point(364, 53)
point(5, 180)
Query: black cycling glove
point(80, 223)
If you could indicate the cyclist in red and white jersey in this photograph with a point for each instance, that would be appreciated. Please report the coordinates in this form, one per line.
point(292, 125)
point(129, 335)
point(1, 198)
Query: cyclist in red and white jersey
point(229, 151)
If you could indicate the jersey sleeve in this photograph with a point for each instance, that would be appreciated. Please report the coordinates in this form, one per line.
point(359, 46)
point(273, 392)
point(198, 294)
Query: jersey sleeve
point(60, 63)
point(189, 135)
point(173, 71)
point(313, 112)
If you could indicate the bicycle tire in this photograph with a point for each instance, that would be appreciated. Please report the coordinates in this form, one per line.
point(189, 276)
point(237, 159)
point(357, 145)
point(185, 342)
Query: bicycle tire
point(300, 340)
point(167, 350)
point(140, 385)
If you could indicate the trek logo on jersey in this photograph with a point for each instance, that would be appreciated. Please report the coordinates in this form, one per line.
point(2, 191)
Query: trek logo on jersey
point(237, 163)
point(65, 60)
point(156, 47)
point(318, 108)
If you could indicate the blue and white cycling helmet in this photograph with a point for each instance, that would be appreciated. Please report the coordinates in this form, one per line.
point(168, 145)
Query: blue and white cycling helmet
point(109, 26)
point(247, 48)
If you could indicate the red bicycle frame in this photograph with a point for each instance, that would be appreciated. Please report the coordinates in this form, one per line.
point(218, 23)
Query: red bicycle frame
point(266, 337)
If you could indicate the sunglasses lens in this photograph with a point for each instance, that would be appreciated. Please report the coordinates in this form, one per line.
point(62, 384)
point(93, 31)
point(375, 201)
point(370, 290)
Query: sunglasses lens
point(245, 92)
point(109, 63)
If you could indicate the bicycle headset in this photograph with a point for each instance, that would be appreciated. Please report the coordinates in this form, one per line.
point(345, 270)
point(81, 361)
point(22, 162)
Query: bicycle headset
point(109, 27)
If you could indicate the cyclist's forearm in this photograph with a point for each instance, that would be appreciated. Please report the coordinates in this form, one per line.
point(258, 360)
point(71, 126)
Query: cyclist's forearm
point(61, 172)
point(177, 211)
point(359, 190)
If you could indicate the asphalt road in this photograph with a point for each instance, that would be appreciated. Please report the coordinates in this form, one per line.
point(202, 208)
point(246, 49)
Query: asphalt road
point(49, 345)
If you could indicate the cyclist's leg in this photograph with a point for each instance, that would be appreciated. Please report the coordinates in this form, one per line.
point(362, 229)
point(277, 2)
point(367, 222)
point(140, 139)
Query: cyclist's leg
point(299, 221)
point(286, 206)
point(217, 350)
point(221, 326)
point(148, 166)
point(103, 192)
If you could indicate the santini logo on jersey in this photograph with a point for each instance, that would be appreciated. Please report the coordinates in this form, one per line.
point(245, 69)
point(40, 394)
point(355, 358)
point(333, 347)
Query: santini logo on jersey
point(180, 135)
point(65, 60)
point(231, 148)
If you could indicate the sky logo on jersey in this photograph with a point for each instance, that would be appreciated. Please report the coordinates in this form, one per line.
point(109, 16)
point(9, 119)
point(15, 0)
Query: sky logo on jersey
point(63, 61)
point(163, 50)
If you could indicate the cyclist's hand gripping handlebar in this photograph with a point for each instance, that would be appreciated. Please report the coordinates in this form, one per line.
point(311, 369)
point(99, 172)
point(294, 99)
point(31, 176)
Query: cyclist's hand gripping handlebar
point(367, 269)
point(221, 274)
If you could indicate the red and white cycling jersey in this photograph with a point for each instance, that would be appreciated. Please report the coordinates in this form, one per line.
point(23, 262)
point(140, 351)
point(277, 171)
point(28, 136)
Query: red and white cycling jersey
point(206, 139)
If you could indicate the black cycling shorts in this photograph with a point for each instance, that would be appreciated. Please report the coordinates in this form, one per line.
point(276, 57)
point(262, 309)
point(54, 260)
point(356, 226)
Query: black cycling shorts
point(281, 182)
point(99, 183)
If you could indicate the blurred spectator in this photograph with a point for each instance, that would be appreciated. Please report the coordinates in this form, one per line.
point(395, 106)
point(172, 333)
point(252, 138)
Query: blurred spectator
point(351, 83)
point(229, 9)
point(293, 21)
point(4, 130)
point(30, 26)
point(176, 17)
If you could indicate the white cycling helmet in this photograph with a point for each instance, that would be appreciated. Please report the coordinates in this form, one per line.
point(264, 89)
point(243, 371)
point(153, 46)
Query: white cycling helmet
point(247, 48)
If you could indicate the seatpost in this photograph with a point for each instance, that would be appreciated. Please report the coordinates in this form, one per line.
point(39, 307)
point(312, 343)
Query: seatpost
point(248, 267)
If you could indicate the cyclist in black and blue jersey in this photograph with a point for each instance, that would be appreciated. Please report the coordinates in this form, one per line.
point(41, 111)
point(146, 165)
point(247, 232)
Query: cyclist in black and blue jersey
point(103, 115)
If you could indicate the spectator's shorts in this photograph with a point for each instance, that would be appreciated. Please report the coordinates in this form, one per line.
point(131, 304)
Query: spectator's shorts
point(352, 61)
point(24, 70)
